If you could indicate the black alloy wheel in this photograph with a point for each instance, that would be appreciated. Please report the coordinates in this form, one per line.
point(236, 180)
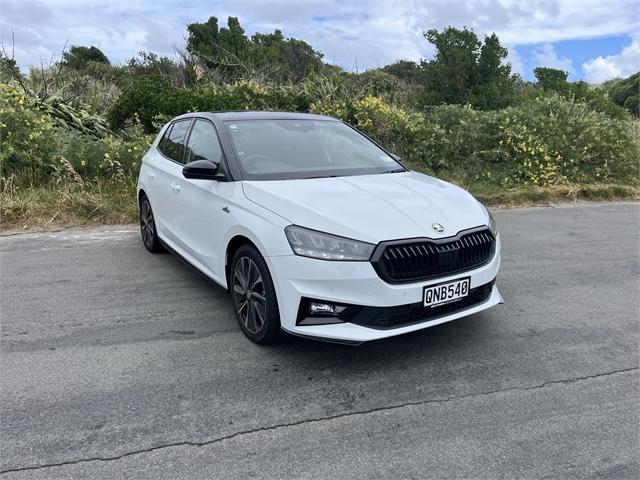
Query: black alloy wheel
point(148, 227)
point(253, 294)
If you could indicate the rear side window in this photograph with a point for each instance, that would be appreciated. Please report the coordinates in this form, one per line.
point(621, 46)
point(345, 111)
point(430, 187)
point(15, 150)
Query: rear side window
point(172, 143)
point(203, 143)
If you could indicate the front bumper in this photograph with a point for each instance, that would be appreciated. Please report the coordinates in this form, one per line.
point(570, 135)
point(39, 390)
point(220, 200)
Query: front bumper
point(357, 283)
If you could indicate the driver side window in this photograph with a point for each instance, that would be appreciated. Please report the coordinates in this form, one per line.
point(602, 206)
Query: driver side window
point(203, 143)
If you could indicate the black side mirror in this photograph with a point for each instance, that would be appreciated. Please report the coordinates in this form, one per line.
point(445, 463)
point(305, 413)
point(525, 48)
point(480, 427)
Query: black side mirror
point(202, 170)
point(395, 157)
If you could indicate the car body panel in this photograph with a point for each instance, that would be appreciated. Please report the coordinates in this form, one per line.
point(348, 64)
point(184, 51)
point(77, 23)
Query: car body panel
point(371, 208)
point(357, 283)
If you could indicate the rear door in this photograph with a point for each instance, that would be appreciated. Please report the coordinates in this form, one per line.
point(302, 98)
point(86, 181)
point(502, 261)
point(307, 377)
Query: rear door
point(167, 171)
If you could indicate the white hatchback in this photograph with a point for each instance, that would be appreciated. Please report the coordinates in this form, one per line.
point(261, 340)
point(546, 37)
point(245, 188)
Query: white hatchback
point(313, 228)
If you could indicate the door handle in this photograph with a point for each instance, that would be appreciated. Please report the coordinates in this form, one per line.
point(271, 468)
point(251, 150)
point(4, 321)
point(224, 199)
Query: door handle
point(175, 187)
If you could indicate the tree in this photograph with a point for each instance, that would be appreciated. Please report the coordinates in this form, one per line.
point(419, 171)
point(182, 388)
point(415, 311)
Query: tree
point(202, 40)
point(552, 79)
point(9, 69)
point(494, 86)
point(79, 57)
point(403, 70)
point(465, 70)
point(626, 93)
point(299, 60)
point(230, 55)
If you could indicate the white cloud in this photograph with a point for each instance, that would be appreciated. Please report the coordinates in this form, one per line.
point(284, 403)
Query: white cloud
point(625, 63)
point(516, 61)
point(546, 56)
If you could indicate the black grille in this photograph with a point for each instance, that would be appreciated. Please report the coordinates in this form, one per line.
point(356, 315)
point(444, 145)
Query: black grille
point(392, 317)
point(421, 259)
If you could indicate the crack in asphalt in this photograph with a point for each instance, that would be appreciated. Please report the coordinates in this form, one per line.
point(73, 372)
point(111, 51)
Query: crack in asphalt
point(188, 443)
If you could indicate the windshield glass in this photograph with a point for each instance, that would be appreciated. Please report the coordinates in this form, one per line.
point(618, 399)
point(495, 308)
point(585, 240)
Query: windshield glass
point(283, 149)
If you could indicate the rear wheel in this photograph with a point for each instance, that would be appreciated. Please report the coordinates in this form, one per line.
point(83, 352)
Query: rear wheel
point(254, 297)
point(148, 227)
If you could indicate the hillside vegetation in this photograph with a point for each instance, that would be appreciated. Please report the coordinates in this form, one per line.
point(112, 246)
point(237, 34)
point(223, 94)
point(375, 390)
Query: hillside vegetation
point(72, 135)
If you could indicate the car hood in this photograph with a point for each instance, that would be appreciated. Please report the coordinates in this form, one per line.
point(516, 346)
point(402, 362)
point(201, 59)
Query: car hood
point(371, 208)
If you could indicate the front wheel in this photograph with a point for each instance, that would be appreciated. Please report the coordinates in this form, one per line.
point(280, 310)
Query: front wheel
point(254, 296)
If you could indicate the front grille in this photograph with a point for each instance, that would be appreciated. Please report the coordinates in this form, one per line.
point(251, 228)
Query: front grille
point(414, 260)
point(401, 316)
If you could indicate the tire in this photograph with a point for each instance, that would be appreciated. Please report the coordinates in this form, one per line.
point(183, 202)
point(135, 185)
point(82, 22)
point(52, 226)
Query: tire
point(148, 227)
point(254, 296)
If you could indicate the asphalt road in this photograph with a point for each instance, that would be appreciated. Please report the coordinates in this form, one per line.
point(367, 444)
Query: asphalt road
point(118, 363)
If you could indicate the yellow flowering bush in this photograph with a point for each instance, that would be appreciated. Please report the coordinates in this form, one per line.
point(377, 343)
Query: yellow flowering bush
point(539, 142)
point(33, 146)
point(391, 125)
point(27, 137)
point(341, 109)
point(399, 131)
point(109, 157)
point(535, 162)
point(554, 140)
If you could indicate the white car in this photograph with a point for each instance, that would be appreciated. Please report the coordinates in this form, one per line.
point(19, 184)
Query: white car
point(313, 228)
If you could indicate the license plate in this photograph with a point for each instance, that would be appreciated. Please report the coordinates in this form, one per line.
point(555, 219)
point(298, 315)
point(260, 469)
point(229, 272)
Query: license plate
point(446, 292)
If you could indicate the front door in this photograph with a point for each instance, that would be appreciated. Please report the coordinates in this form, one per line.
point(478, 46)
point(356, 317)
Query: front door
point(200, 222)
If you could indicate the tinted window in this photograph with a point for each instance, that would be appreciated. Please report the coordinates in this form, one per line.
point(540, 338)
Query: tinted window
point(280, 149)
point(203, 143)
point(172, 143)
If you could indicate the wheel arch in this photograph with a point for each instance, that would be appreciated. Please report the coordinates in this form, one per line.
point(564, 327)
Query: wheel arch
point(141, 194)
point(233, 245)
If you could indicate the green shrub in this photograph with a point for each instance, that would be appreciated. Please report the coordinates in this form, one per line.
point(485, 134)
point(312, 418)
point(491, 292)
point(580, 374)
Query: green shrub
point(626, 93)
point(105, 158)
point(471, 137)
point(150, 97)
point(553, 140)
point(546, 140)
point(400, 131)
point(35, 149)
point(28, 140)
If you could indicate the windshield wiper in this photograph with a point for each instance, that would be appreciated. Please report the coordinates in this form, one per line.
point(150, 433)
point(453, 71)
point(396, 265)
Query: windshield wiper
point(396, 170)
point(319, 176)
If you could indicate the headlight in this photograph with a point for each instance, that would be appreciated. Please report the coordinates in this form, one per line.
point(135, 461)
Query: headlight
point(492, 225)
point(310, 243)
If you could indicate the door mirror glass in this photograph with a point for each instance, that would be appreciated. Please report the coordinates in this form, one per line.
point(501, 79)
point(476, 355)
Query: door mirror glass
point(202, 170)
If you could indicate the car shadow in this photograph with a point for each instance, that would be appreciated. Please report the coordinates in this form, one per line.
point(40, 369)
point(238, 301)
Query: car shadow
point(442, 343)
point(455, 337)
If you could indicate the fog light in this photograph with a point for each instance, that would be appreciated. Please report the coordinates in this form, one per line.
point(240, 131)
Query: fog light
point(316, 308)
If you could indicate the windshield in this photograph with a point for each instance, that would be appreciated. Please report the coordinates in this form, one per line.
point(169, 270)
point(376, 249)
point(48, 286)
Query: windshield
point(283, 149)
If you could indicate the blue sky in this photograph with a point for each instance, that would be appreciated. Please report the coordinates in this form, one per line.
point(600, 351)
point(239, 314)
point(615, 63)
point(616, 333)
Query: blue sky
point(592, 39)
point(570, 54)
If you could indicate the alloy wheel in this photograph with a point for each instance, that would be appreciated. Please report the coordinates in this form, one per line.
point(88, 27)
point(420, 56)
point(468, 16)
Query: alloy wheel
point(249, 294)
point(147, 226)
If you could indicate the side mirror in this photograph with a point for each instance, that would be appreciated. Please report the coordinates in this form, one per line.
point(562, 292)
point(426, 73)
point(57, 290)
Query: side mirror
point(395, 157)
point(202, 170)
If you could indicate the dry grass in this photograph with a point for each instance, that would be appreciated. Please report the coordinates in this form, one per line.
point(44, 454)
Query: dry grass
point(52, 207)
point(531, 196)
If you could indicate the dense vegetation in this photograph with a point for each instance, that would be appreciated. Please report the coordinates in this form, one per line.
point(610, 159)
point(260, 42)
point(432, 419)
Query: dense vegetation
point(72, 135)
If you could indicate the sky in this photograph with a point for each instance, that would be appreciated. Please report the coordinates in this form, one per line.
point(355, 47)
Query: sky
point(594, 40)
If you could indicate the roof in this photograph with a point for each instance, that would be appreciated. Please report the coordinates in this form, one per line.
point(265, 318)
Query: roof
point(254, 115)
